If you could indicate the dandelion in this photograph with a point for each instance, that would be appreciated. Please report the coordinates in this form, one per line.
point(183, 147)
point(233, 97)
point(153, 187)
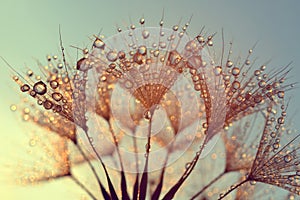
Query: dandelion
point(274, 163)
point(137, 101)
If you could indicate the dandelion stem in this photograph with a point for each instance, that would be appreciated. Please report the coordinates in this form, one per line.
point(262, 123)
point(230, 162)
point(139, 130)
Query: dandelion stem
point(125, 195)
point(110, 185)
point(232, 188)
point(209, 184)
point(82, 186)
point(144, 179)
point(171, 193)
point(106, 196)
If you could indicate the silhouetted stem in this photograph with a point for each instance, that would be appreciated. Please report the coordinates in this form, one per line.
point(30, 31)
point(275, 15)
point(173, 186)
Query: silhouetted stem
point(106, 196)
point(144, 179)
point(231, 189)
point(208, 185)
point(171, 193)
point(125, 195)
point(82, 186)
point(110, 185)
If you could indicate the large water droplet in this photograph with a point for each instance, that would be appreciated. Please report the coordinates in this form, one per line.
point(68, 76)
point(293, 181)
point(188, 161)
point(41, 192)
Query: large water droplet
point(112, 56)
point(40, 88)
point(145, 34)
point(98, 43)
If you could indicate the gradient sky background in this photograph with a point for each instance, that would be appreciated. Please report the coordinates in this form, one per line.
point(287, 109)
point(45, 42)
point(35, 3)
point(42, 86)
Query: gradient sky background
point(29, 29)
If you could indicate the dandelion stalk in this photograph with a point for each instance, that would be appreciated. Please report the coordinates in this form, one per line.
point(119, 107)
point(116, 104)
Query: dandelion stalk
point(105, 195)
point(208, 185)
point(82, 186)
point(232, 189)
point(144, 179)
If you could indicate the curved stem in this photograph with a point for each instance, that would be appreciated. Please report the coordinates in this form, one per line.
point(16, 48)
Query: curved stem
point(104, 192)
point(82, 186)
point(208, 185)
point(171, 193)
point(110, 185)
point(231, 189)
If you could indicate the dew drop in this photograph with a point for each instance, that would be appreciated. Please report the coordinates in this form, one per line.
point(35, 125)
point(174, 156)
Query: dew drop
point(54, 84)
point(235, 71)
point(187, 165)
point(98, 43)
point(218, 70)
point(142, 21)
point(288, 158)
point(229, 64)
point(200, 39)
point(60, 66)
point(24, 88)
point(236, 85)
point(210, 43)
point(13, 107)
point(262, 83)
point(57, 96)
point(145, 34)
point(253, 182)
point(40, 88)
point(263, 67)
point(47, 104)
point(175, 28)
point(147, 114)
point(280, 94)
point(142, 50)
point(280, 120)
point(247, 62)
point(112, 56)
point(29, 73)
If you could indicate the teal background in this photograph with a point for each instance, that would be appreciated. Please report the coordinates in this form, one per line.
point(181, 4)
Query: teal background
point(29, 29)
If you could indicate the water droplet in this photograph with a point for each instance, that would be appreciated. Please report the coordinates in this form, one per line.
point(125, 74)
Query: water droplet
point(29, 73)
point(60, 65)
point(250, 50)
point(235, 71)
point(98, 43)
point(288, 158)
point(263, 67)
point(145, 34)
point(280, 94)
point(187, 165)
point(257, 72)
point(280, 120)
point(24, 88)
point(142, 21)
point(40, 88)
point(262, 83)
point(156, 53)
point(218, 70)
point(174, 58)
point(47, 104)
point(210, 43)
point(236, 85)
point(229, 64)
point(57, 96)
point(142, 50)
point(253, 182)
point(132, 26)
point(247, 62)
point(13, 107)
point(112, 56)
point(175, 28)
point(147, 114)
point(54, 84)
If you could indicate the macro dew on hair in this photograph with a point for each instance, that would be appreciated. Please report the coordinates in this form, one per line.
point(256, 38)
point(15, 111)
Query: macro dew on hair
point(159, 113)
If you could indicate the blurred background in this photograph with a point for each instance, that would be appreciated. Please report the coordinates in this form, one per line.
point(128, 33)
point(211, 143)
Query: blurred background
point(29, 31)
